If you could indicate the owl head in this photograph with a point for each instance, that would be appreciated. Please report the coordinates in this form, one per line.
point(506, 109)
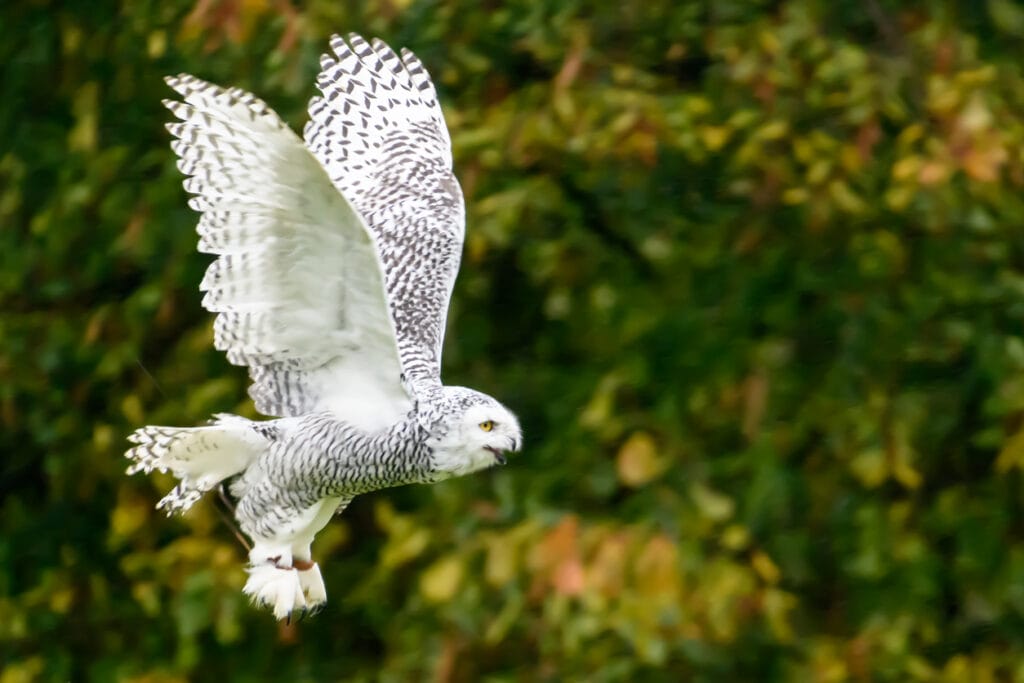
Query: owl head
point(475, 432)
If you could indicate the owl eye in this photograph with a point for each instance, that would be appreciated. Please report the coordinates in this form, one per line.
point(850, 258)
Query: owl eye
point(486, 425)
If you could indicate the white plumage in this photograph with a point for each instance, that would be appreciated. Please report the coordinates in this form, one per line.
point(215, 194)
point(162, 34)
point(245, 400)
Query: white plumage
point(336, 258)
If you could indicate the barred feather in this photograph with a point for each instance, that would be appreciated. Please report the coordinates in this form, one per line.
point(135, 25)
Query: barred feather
point(200, 457)
point(297, 278)
point(379, 132)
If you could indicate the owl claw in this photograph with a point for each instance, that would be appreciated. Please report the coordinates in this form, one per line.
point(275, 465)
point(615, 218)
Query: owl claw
point(309, 612)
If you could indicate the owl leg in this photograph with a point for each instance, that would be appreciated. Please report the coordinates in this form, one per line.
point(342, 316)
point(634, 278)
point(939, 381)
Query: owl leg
point(312, 582)
point(282, 573)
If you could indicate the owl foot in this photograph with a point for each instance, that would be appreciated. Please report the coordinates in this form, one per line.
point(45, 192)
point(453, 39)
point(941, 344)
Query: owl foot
point(312, 584)
point(276, 587)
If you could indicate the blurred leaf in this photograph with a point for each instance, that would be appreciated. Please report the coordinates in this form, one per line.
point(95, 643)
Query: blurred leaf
point(441, 580)
point(638, 461)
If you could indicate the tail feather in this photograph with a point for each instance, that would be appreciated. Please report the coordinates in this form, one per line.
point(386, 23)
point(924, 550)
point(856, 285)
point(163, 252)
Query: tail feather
point(200, 457)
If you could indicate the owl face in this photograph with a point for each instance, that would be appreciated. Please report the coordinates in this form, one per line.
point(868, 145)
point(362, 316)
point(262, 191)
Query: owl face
point(478, 436)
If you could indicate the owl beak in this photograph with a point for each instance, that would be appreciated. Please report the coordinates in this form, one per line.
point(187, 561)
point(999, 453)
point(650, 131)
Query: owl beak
point(499, 455)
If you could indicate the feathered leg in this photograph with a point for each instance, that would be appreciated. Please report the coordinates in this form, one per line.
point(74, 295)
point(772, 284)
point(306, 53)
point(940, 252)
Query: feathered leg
point(312, 582)
point(282, 573)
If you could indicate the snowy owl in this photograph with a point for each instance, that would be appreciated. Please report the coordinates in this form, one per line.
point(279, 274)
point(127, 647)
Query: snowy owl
point(336, 257)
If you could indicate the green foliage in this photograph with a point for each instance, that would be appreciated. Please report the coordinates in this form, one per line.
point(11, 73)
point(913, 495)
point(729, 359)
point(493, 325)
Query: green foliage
point(752, 274)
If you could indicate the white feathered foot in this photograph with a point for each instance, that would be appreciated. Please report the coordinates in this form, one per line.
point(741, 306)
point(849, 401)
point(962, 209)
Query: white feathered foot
point(313, 587)
point(284, 583)
point(282, 573)
point(312, 582)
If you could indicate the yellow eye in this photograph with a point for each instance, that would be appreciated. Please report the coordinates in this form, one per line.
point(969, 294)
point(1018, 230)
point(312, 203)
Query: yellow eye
point(487, 425)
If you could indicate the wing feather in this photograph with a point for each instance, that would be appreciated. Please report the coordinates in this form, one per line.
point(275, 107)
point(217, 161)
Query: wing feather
point(296, 285)
point(379, 132)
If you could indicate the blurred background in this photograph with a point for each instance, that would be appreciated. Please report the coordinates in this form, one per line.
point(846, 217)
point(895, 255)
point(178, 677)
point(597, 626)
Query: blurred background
point(751, 272)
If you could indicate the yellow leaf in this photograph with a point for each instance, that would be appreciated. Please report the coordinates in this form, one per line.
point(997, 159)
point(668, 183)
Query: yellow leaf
point(102, 437)
point(818, 172)
point(777, 606)
point(131, 408)
point(441, 580)
point(765, 568)
point(1007, 16)
point(657, 567)
point(958, 668)
point(25, 671)
point(943, 96)
point(500, 567)
point(902, 455)
point(638, 461)
point(128, 516)
point(769, 41)
point(606, 571)
point(714, 137)
point(61, 599)
point(148, 597)
point(920, 669)
point(975, 116)
point(899, 197)
point(906, 168)
point(697, 105)
point(1012, 453)
point(735, 537)
point(83, 136)
point(773, 130)
point(910, 135)
point(711, 504)
point(845, 197)
point(156, 44)
point(905, 474)
point(870, 467)
point(795, 195)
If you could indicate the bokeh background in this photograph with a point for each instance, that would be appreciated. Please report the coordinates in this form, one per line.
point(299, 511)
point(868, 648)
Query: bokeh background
point(750, 271)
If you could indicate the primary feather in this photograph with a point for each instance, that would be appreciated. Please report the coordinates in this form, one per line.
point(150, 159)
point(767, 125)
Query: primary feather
point(378, 131)
point(297, 284)
point(335, 261)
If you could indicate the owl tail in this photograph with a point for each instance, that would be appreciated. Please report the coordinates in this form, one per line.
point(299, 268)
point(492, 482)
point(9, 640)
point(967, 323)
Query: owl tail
point(200, 457)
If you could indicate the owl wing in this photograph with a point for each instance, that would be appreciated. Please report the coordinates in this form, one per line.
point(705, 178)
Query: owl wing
point(378, 130)
point(297, 284)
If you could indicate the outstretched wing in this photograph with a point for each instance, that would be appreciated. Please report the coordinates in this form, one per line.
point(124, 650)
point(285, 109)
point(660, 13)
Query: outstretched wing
point(297, 284)
point(379, 132)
